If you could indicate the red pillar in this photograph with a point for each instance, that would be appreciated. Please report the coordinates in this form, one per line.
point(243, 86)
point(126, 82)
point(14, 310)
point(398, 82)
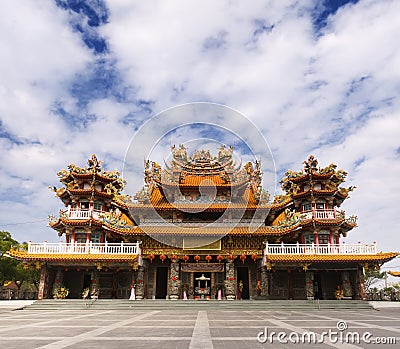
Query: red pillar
point(316, 240)
point(331, 238)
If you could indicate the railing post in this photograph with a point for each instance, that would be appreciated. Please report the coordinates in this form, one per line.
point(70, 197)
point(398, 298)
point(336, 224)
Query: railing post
point(122, 246)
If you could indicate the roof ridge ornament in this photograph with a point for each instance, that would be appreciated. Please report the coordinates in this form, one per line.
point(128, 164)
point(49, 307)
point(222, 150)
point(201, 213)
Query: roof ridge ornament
point(94, 164)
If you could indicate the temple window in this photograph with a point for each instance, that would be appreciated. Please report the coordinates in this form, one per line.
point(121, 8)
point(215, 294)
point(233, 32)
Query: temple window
point(98, 187)
point(86, 185)
point(95, 238)
point(98, 206)
point(306, 187)
point(307, 207)
point(320, 205)
point(323, 237)
point(80, 236)
point(309, 238)
point(84, 205)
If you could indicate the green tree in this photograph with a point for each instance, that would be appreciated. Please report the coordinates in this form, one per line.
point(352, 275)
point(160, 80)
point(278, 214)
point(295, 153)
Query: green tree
point(372, 276)
point(11, 269)
point(8, 266)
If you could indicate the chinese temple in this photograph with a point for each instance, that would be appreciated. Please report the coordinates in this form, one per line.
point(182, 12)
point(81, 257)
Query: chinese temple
point(202, 227)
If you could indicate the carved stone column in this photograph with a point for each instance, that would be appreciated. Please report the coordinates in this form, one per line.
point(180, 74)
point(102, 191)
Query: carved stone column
point(309, 285)
point(42, 282)
point(95, 284)
point(264, 282)
point(230, 289)
point(360, 287)
point(140, 283)
point(174, 282)
point(346, 286)
point(58, 280)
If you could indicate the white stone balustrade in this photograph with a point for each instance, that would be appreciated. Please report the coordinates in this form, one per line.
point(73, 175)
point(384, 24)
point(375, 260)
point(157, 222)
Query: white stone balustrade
point(320, 214)
point(83, 214)
point(84, 248)
point(325, 249)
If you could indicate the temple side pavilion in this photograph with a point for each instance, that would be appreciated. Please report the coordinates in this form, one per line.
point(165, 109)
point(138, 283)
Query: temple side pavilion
point(200, 228)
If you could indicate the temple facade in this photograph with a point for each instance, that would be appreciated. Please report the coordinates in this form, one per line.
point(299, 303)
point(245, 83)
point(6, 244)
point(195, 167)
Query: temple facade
point(202, 228)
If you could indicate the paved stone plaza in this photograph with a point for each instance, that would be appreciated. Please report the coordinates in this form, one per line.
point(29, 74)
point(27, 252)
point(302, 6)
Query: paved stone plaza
point(187, 328)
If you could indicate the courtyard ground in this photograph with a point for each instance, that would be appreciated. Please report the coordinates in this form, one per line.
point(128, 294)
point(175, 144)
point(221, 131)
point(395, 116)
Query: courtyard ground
point(203, 329)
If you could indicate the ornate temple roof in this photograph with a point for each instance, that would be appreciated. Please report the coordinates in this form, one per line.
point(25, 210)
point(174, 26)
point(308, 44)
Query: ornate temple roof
point(99, 182)
point(201, 170)
point(293, 182)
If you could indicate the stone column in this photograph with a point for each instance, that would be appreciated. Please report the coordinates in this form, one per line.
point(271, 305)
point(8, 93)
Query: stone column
point(309, 285)
point(264, 282)
point(174, 282)
point(191, 288)
point(42, 282)
point(360, 287)
point(346, 286)
point(95, 284)
point(58, 280)
point(140, 283)
point(230, 289)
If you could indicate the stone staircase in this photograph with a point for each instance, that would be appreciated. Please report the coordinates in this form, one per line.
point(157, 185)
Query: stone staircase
point(145, 305)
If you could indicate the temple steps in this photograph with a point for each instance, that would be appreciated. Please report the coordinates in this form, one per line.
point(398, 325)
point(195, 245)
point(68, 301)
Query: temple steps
point(263, 305)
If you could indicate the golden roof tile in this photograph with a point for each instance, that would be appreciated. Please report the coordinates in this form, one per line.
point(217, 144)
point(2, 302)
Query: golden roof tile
point(378, 257)
point(24, 255)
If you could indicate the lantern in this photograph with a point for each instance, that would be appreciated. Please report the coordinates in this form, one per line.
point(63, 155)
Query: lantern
point(185, 258)
point(163, 257)
point(78, 269)
point(197, 258)
point(243, 258)
point(220, 258)
point(174, 257)
point(208, 258)
point(254, 257)
point(151, 257)
point(231, 258)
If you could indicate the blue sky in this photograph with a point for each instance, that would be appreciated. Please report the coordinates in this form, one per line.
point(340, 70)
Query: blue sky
point(80, 77)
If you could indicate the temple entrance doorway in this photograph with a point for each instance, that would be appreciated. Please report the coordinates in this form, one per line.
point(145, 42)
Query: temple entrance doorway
point(317, 286)
point(73, 280)
point(161, 282)
point(243, 275)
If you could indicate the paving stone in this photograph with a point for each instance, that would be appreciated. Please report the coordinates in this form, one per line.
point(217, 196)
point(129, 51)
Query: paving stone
point(201, 328)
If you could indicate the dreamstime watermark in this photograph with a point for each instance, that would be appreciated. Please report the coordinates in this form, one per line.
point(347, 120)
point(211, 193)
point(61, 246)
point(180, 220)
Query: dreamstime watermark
point(339, 335)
